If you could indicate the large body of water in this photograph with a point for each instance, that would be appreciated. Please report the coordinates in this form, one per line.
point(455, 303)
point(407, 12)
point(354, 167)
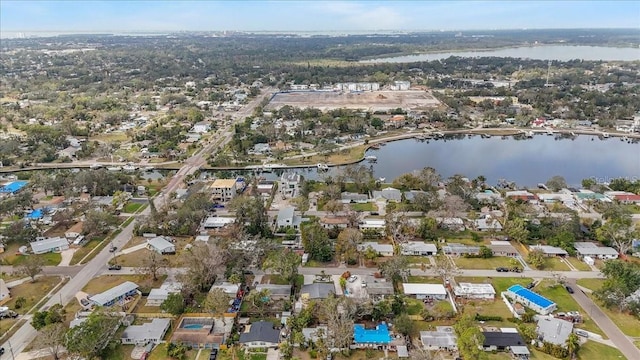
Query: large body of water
point(551, 52)
point(526, 162)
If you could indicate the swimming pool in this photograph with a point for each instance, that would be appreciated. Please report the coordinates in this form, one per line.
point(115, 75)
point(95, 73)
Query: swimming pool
point(193, 326)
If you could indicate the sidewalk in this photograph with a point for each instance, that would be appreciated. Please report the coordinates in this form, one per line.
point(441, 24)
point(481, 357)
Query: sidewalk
point(132, 249)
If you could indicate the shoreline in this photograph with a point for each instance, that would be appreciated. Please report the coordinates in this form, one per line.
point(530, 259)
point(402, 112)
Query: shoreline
point(370, 145)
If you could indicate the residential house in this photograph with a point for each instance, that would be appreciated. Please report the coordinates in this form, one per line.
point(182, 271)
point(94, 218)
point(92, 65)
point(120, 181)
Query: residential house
point(74, 232)
point(215, 222)
point(261, 148)
point(260, 334)
point(350, 198)
point(202, 332)
point(553, 330)
point(487, 223)
point(410, 196)
point(290, 184)
point(378, 289)
point(276, 292)
point(444, 338)
point(363, 338)
point(521, 195)
point(201, 127)
point(503, 248)
point(505, 340)
point(287, 218)
point(451, 223)
point(488, 196)
point(594, 251)
point(388, 194)
point(381, 249)
point(147, 333)
point(47, 245)
point(312, 335)
point(5, 295)
point(330, 222)
point(157, 297)
point(224, 189)
point(161, 245)
point(548, 250)
point(227, 287)
point(377, 225)
point(474, 291)
point(117, 294)
point(532, 300)
point(425, 291)
point(460, 249)
point(418, 248)
point(317, 291)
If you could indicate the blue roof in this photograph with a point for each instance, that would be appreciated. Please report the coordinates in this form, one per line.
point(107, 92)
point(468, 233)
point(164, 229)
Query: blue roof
point(13, 187)
point(35, 214)
point(379, 335)
point(537, 299)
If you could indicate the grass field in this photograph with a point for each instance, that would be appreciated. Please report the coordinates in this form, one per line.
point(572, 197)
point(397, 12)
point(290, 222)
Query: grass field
point(135, 259)
point(593, 350)
point(555, 264)
point(364, 207)
point(626, 322)
point(31, 292)
point(132, 207)
point(580, 265)
point(477, 263)
point(50, 259)
point(110, 137)
point(86, 249)
point(591, 284)
point(104, 282)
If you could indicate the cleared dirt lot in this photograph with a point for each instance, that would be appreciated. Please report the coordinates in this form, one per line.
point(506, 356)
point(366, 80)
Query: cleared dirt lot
point(369, 101)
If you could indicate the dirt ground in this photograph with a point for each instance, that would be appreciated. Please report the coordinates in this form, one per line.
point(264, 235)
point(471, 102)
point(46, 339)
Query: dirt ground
point(370, 101)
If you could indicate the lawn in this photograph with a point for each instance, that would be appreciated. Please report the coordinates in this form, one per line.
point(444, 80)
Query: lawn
point(424, 279)
point(479, 263)
point(102, 283)
point(591, 284)
point(110, 137)
point(555, 264)
point(580, 265)
point(488, 308)
point(593, 350)
point(134, 259)
point(414, 306)
point(625, 322)
point(86, 249)
point(160, 353)
point(364, 207)
point(120, 352)
point(132, 207)
point(50, 259)
point(31, 292)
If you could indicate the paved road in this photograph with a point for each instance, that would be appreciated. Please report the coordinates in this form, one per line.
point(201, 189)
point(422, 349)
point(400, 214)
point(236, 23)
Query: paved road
point(621, 341)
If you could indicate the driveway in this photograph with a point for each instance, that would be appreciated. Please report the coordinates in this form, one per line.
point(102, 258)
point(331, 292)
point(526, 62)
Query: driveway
point(622, 342)
point(67, 255)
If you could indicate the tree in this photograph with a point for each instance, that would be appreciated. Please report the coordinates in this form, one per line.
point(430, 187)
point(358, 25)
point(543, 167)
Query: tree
point(618, 230)
point(316, 242)
point(517, 230)
point(485, 252)
point(470, 338)
point(337, 313)
point(98, 223)
point(395, 268)
point(333, 206)
point(31, 266)
point(404, 325)
point(90, 339)
point(217, 302)
point(428, 229)
point(176, 351)
point(153, 264)
point(259, 300)
point(251, 210)
point(556, 183)
point(347, 245)
point(284, 262)
point(173, 304)
point(536, 258)
point(203, 262)
point(55, 314)
point(445, 268)
point(51, 339)
point(573, 345)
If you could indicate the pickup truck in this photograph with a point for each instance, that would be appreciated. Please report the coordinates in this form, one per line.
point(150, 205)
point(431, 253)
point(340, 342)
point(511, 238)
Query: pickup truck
point(6, 313)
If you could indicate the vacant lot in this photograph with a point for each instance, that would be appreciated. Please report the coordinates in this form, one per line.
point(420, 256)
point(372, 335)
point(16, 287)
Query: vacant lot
point(31, 292)
point(578, 264)
point(476, 263)
point(102, 283)
point(370, 101)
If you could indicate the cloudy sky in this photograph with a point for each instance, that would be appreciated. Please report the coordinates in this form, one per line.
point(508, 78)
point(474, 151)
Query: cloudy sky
point(122, 15)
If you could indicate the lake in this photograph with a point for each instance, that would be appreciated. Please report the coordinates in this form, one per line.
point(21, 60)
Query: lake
point(550, 52)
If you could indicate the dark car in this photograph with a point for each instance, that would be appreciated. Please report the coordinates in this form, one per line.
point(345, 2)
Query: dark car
point(502, 269)
point(531, 285)
point(115, 267)
point(1, 351)
point(569, 289)
point(113, 249)
point(214, 354)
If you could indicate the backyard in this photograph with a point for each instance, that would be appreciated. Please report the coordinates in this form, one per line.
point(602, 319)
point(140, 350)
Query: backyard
point(104, 282)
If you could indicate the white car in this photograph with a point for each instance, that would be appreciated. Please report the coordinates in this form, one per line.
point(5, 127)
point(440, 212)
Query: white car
point(352, 278)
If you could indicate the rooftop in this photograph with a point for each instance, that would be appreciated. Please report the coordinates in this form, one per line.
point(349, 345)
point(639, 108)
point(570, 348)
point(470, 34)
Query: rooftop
point(430, 289)
point(115, 292)
point(260, 331)
point(153, 330)
point(502, 339)
point(318, 290)
point(443, 337)
point(468, 288)
point(379, 335)
point(555, 331)
point(224, 183)
point(531, 296)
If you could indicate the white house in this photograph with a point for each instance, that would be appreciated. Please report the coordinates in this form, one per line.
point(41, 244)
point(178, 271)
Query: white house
point(549, 250)
point(287, 218)
point(116, 294)
point(487, 224)
point(147, 333)
point(594, 251)
point(227, 287)
point(201, 127)
point(425, 291)
point(475, 291)
point(418, 248)
point(378, 225)
point(161, 245)
point(388, 194)
point(276, 292)
point(290, 184)
point(215, 222)
point(74, 231)
point(224, 189)
point(553, 330)
point(460, 249)
point(382, 249)
point(444, 338)
point(47, 245)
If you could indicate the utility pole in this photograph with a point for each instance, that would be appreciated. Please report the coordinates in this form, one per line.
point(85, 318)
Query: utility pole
point(11, 350)
point(548, 73)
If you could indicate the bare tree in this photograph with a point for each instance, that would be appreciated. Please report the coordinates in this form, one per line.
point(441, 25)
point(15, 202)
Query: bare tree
point(31, 266)
point(445, 268)
point(333, 206)
point(397, 227)
point(337, 314)
point(203, 263)
point(51, 339)
point(153, 264)
point(217, 302)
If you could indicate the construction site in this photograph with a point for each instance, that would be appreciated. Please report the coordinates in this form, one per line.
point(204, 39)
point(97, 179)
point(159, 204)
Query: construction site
point(365, 100)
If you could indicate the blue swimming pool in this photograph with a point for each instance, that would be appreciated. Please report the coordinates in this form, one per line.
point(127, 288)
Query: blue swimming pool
point(193, 326)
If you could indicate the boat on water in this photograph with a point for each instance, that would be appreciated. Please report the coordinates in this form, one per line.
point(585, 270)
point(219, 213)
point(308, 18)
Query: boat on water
point(322, 167)
point(550, 132)
point(129, 167)
point(95, 166)
point(624, 138)
point(382, 179)
point(529, 134)
point(371, 158)
point(374, 147)
point(114, 168)
point(605, 135)
point(149, 168)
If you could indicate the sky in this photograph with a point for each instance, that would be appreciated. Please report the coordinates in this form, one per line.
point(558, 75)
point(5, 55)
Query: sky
point(322, 16)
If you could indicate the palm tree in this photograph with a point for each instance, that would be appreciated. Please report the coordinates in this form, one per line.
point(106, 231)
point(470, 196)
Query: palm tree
point(573, 345)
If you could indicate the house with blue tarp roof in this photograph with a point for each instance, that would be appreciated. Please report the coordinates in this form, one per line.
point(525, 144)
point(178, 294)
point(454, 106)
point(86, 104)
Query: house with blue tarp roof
point(530, 299)
point(13, 187)
point(378, 336)
point(35, 214)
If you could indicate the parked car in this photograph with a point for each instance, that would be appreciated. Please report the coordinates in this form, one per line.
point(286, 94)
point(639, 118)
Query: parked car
point(8, 314)
point(569, 289)
point(516, 269)
point(115, 267)
point(502, 269)
point(531, 285)
point(214, 354)
point(1, 351)
point(352, 278)
point(113, 249)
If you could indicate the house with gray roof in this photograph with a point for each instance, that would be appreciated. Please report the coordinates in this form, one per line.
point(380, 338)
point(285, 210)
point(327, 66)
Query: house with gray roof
point(410, 196)
point(161, 245)
point(444, 338)
point(548, 250)
point(553, 330)
point(276, 292)
point(349, 197)
point(317, 290)
point(381, 249)
point(118, 293)
point(260, 334)
point(418, 248)
point(585, 248)
point(290, 184)
point(312, 335)
point(388, 194)
point(147, 333)
point(288, 218)
point(378, 289)
point(47, 245)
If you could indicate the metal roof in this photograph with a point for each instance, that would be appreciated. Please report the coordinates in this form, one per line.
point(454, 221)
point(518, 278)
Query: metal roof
point(531, 296)
point(48, 244)
point(147, 331)
point(115, 292)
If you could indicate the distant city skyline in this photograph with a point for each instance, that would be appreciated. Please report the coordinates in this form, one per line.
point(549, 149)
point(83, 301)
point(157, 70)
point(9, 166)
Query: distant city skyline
point(312, 16)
